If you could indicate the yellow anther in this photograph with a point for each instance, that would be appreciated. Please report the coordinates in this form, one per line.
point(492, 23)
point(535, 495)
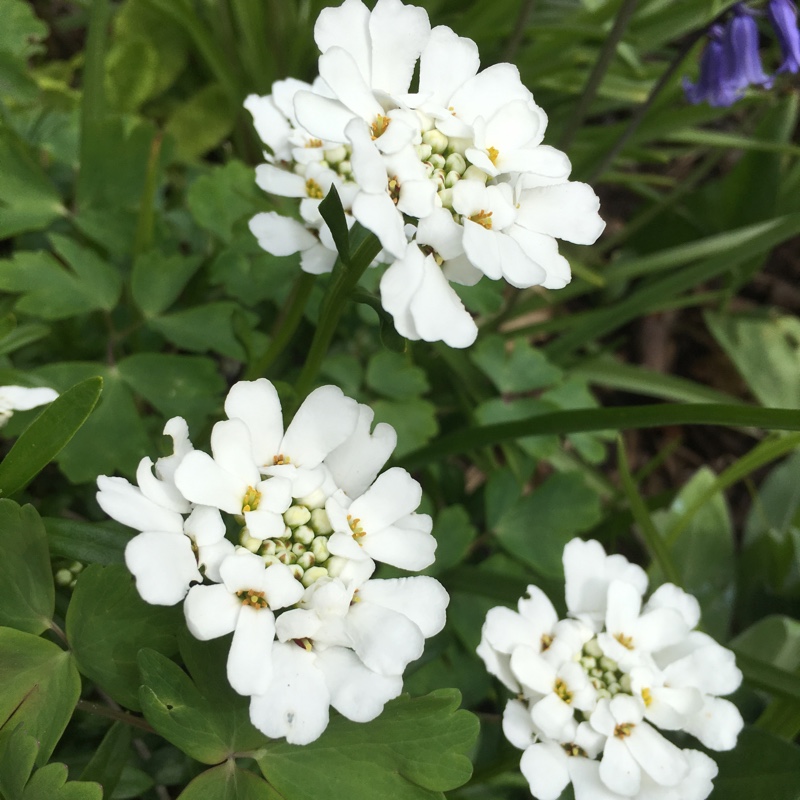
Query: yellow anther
point(314, 190)
point(562, 690)
point(493, 154)
point(547, 640)
point(314, 143)
point(250, 597)
point(647, 697)
point(572, 749)
point(281, 459)
point(624, 730)
point(379, 126)
point(625, 641)
point(394, 189)
point(483, 218)
point(251, 499)
point(355, 526)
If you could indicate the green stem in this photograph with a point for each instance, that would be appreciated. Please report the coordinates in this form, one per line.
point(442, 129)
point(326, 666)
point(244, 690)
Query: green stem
point(653, 540)
point(598, 73)
point(284, 328)
point(93, 100)
point(520, 28)
point(143, 239)
point(343, 281)
point(98, 710)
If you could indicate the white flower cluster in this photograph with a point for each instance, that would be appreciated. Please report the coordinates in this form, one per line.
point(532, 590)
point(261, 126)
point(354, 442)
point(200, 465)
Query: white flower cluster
point(591, 688)
point(452, 177)
point(311, 628)
point(21, 398)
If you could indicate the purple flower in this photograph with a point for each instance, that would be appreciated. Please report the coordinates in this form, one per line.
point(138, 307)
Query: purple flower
point(783, 16)
point(713, 86)
point(741, 51)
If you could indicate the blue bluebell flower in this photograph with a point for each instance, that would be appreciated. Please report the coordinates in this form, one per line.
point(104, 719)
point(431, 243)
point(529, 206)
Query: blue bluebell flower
point(741, 51)
point(783, 16)
point(713, 85)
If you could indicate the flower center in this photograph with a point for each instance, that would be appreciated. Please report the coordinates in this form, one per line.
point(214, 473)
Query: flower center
point(572, 749)
point(546, 641)
point(314, 190)
point(251, 499)
point(603, 672)
point(623, 730)
point(394, 189)
point(314, 143)
point(625, 641)
point(280, 460)
point(562, 690)
point(493, 154)
point(647, 697)
point(483, 218)
point(252, 598)
point(379, 126)
point(306, 644)
point(355, 526)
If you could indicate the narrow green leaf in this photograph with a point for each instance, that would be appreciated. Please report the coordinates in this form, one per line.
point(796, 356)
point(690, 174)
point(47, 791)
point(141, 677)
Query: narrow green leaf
point(27, 594)
point(415, 750)
point(599, 419)
point(762, 675)
point(39, 687)
point(333, 214)
point(108, 623)
point(390, 338)
point(87, 542)
point(106, 764)
point(45, 437)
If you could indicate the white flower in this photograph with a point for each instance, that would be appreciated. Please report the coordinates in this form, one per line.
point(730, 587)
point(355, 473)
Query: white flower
point(243, 604)
point(172, 551)
point(22, 398)
point(633, 747)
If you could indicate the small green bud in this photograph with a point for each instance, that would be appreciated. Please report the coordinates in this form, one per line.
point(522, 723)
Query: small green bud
point(287, 533)
point(304, 534)
point(268, 548)
point(320, 522)
point(345, 168)
point(588, 662)
point(312, 575)
point(307, 560)
point(297, 571)
point(446, 198)
point(269, 560)
point(336, 154)
point(436, 139)
point(299, 169)
point(472, 173)
point(64, 577)
point(455, 162)
point(287, 557)
point(458, 145)
point(298, 548)
point(614, 688)
point(335, 565)
point(76, 567)
point(249, 542)
point(423, 151)
point(319, 547)
point(314, 500)
point(296, 515)
point(437, 161)
point(592, 647)
point(608, 664)
point(625, 683)
point(451, 179)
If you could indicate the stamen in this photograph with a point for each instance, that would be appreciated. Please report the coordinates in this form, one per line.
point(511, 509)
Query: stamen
point(314, 190)
point(251, 499)
point(625, 641)
point(493, 154)
point(379, 126)
point(483, 218)
point(624, 730)
point(250, 597)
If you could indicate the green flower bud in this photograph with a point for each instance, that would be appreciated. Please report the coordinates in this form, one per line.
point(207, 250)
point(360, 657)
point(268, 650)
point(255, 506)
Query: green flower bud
point(76, 567)
point(437, 161)
point(625, 684)
point(298, 548)
point(320, 522)
point(268, 548)
point(296, 515)
point(304, 534)
point(588, 662)
point(299, 169)
point(314, 500)
point(335, 565)
point(455, 162)
point(269, 560)
point(319, 547)
point(336, 154)
point(446, 198)
point(287, 557)
point(592, 647)
point(249, 542)
point(345, 168)
point(614, 688)
point(313, 574)
point(63, 577)
point(287, 533)
point(436, 139)
point(472, 173)
point(458, 145)
point(307, 560)
point(423, 151)
point(451, 179)
point(438, 176)
point(608, 664)
point(297, 571)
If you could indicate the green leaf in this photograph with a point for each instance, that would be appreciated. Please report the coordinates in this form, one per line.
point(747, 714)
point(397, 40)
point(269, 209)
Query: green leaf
point(204, 328)
point(186, 386)
point(513, 366)
point(27, 594)
point(501, 410)
point(50, 783)
point(766, 353)
point(131, 73)
point(703, 552)
point(761, 765)
point(395, 376)
point(22, 31)
point(202, 122)
point(539, 525)
point(106, 764)
point(597, 419)
point(108, 623)
point(454, 534)
point(390, 338)
point(414, 420)
point(157, 280)
point(39, 687)
point(415, 750)
point(209, 721)
point(332, 212)
point(113, 439)
point(777, 503)
point(222, 197)
point(87, 542)
point(228, 782)
point(17, 757)
point(47, 435)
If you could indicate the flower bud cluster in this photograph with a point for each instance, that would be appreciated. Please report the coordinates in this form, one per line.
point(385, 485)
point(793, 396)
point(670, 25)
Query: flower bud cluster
point(593, 689)
point(450, 174)
point(274, 537)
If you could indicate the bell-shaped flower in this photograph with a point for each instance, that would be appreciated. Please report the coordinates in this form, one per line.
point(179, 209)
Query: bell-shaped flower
point(324, 421)
point(630, 636)
point(231, 481)
point(382, 524)
point(633, 747)
point(243, 604)
point(783, 16)
point(589, 572)
point(714, 85)
point(743, 59)
point(22, 398)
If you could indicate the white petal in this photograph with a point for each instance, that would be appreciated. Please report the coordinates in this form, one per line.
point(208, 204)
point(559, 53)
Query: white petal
point(346, 26)
point(369, 169)
point(280, 236)
point(276, 180)
point(377, 213)
point(394, 495)
point(657, 756)
point(295, 704)
point(517, 725)
point(506, 629)
point(551, 715)
point(398, 33)
point(282, 588)
point(536, 607)
point(357, 693)
point(482, 95)
point(264, 524)
point(717, 725)
point(211, 556)
point(545, 768)
point(202, 480)
point(318, 259)
point(543, 250)
point(417, 198)
point(567, 211)
point(343, 544)
point(446, 62)
point(322, 117)
point(512, 127)
point(161, 492)
point(177, 429)
point(22, 398)
point(204, 526)
point(257, 404)
point(619, 771)
point(670, 596)
point(271, 125)
point(356, 462)
point(659, 628)
point(297, 623)
point(250, 656)
point(243, 571)
point(398, 286)
point(324, 420)
point(211, 611)
point(126, 504)
point(420, 598)
point(339, 70)
point(442, 233)
point(497, 664)
point(459, 270)
point(542, 160)
point(276, 494)
point(232, 448)
point(163, 565)
point(385, 640)
point(532, 670)
point(407, 548)
point(586, 783)
point(482, 247)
